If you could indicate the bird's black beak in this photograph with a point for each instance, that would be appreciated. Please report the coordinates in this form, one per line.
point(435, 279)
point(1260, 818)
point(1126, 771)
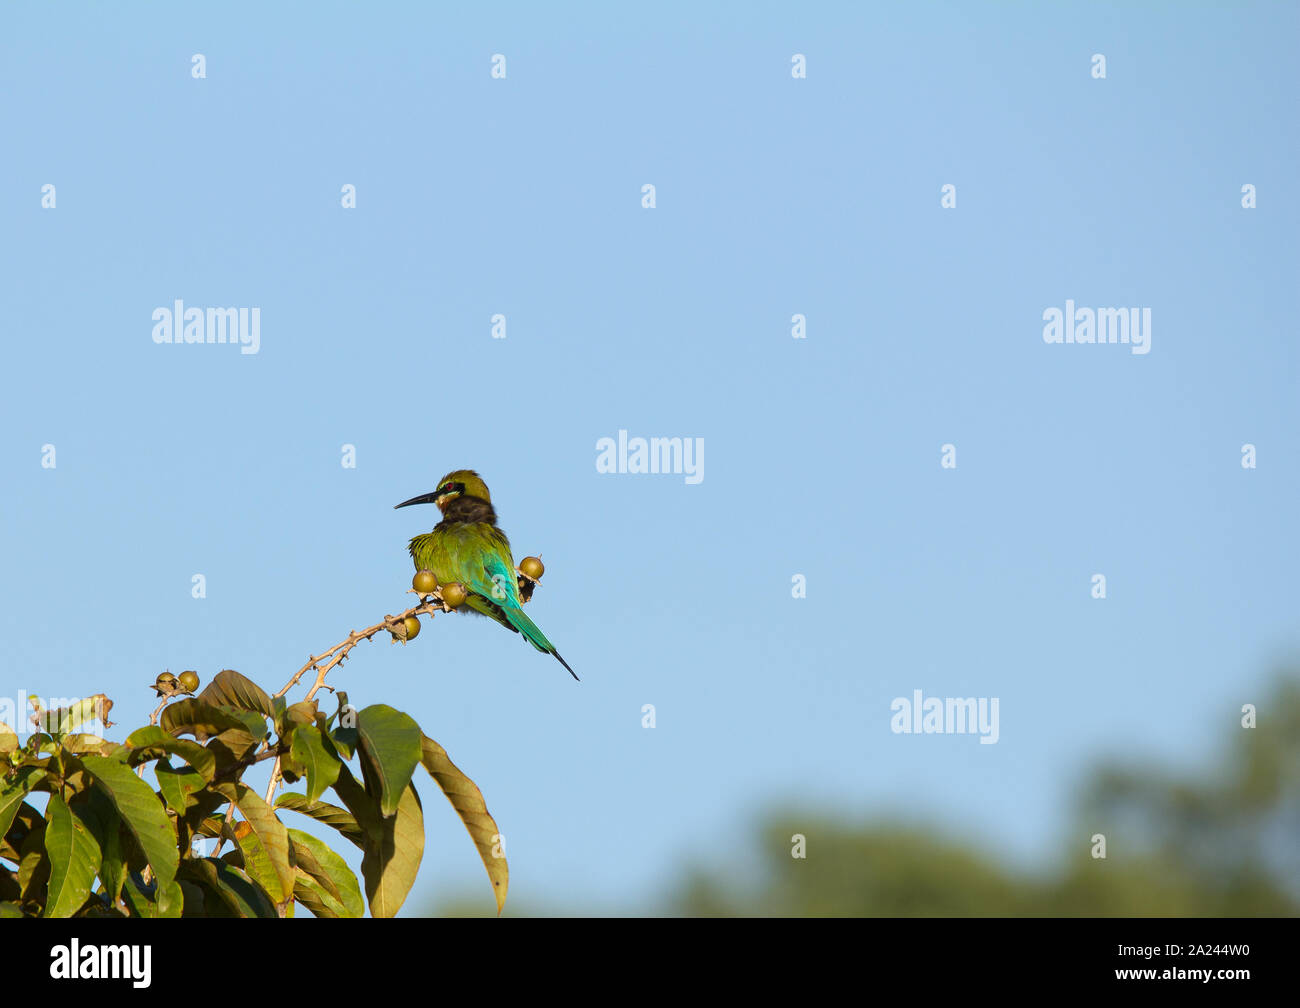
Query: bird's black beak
point(429, 498)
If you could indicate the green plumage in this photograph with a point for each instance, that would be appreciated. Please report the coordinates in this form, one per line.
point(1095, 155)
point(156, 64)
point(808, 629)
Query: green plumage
point(467, 547)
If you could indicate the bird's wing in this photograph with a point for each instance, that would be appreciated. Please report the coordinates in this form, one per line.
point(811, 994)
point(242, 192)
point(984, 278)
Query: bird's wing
point(499, 580)
point(478, 556)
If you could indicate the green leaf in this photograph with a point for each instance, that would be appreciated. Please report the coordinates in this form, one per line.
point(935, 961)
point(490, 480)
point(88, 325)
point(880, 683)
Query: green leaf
point(13, 794)
point(137, 900)
point(171, 901)
point(390, 751)
point(312, 895)
point(203, 720)
point(132, 853)
point(179, 787)
point(323, 812)
point(97, 908)
point(210, 826)
point(24, 821)
point(34, 865)
point(101, 818)
point(8, 739)
point(344, 741)
point(10, 909)
point(393, 844)
point(63, 720)
point(342, 699)
point(85, 743)
point(303, 857)
point(467, 800)
point(151, 740)
point(331, 873)
point(143, 813)
point(233, 733)
point(308, 748)
point(169, 787)
point(234, 892)
point(192, 900)
point(230, 689)
point(74, 858)
point(9, 888)
point(200, 813)
point(303, 712)
point(252, 857)
point(38, 742)
point(153, 902)
point(112, 869)
point(278, 707)
point(271, 835)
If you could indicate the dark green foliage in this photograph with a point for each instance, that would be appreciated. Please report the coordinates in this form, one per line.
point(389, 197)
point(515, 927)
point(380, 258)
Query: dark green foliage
point(109, 844)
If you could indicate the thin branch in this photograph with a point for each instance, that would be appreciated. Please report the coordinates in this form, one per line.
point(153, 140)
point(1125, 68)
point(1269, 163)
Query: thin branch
point(396, 625)
point(429, 604)
point(153, 720)
point(227, 833)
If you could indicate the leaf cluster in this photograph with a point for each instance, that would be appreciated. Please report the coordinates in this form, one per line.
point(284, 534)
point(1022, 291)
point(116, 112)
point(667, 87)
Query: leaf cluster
point(109, 845)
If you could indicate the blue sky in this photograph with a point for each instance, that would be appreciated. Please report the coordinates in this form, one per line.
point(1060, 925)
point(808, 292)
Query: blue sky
point(774, 196)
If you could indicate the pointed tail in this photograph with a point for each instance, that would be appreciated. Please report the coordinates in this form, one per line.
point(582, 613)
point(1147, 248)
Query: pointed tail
point(533, 634)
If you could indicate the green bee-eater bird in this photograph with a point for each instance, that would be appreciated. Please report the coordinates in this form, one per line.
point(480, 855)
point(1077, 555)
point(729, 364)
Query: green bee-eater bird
point(466, 546)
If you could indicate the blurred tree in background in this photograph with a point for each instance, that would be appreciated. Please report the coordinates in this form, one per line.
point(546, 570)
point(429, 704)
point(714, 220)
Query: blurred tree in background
point(1176, 845)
